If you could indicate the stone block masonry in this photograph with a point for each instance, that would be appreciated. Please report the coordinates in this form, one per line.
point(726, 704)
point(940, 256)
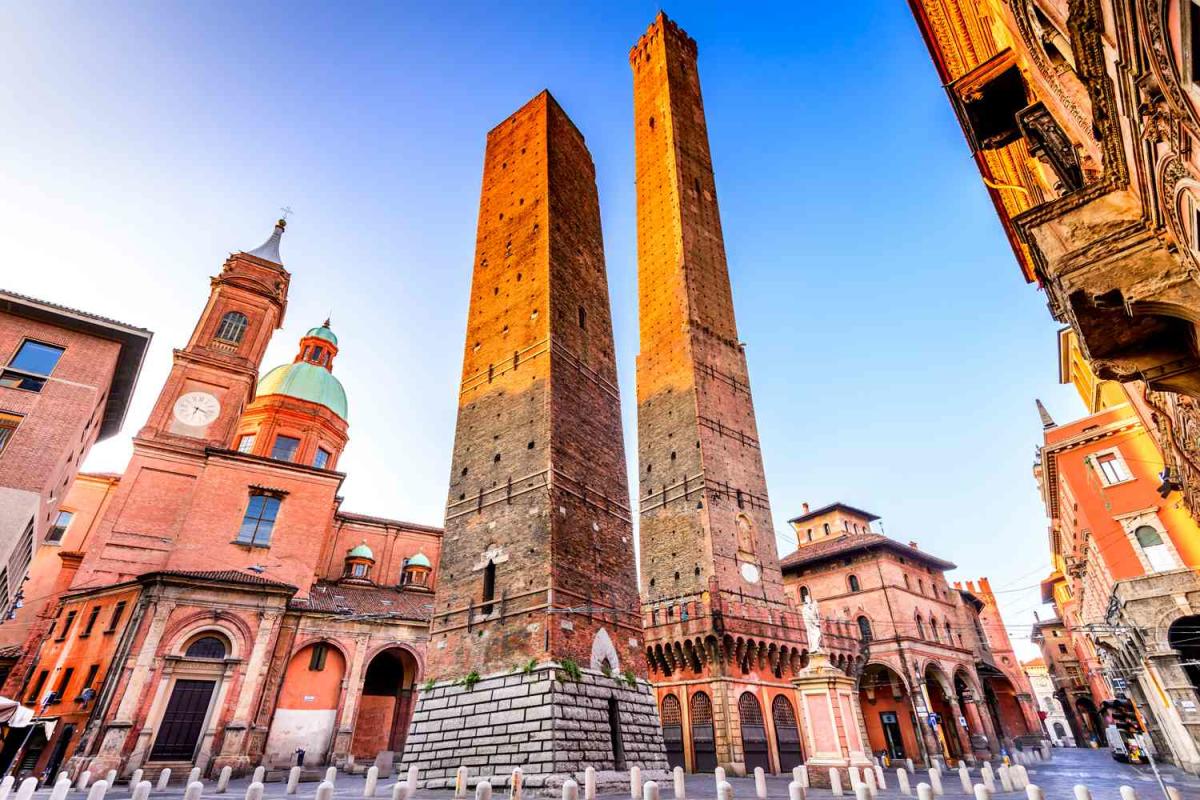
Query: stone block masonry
point(550, 725)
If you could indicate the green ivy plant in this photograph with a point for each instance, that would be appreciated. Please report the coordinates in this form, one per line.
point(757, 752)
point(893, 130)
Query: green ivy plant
point(606, 669)
point(630, 678)
point(530, 666)
point(428, 685)
point(470, 679)
point(572, 669)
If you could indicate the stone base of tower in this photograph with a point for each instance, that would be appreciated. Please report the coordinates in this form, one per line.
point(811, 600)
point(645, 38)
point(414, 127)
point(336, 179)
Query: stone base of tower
point(833, 731)
point(550, 725)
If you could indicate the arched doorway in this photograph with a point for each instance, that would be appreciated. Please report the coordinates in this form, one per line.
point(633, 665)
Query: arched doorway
point(1089, 719)
point(887, 712)
point(672, 725)
point(1184, 638)
point(193, 693)
point(787, 734)
point(386, 704)
point(937, 687)
point(704, 743)
point(755, 747)
point(306, 714)
point(1006, 711)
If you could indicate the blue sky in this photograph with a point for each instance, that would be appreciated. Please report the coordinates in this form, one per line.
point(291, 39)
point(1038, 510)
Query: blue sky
point(894, 348)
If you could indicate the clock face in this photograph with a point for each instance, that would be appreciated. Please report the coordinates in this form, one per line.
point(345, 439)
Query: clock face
point(197, 409)
point(749, 573)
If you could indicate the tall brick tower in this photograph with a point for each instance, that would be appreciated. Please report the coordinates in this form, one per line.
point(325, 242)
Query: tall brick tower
point(537, 597)
point(715, 607)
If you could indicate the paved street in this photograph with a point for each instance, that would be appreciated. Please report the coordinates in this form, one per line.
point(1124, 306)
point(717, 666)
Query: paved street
point(1093, 768)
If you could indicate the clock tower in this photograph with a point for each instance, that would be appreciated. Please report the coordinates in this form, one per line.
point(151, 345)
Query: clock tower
point(213, 377)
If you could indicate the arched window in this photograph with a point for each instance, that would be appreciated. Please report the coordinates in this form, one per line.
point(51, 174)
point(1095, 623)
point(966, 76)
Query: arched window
point(949, 635)
point(920, 627)
point(671, 712)
point(864, 629)
point(803, 594)
point(933, 627)
point(907, 582)
point(232, 327)
point(854, 585)
point(489, 586)
point(1158, 555)
point(206, 647)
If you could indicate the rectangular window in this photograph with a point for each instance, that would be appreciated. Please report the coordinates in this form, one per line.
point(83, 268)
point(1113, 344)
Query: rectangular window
point(115, 619)
point(55, 534)
point(66, 628)
point(1062, 648)
point(1112, 468)
point(8, 426)
point(90, 678)
point(321, 459)
point(31, 365)
point(246, 443)
point(35, 694)
point(316, 662)
point(60, 691)
point(285, 448)
point(91, 622)
point(259, 520)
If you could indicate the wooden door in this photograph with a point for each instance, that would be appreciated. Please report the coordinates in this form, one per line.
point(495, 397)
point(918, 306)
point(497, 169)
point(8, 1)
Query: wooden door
point(755, 746)
point(787, 734)
point(704, 743)
point(183, 720)
point(672, 726)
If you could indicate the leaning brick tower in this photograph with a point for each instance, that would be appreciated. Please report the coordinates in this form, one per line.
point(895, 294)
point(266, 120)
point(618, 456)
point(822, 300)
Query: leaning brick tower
point(536, 651)
point(723, 641)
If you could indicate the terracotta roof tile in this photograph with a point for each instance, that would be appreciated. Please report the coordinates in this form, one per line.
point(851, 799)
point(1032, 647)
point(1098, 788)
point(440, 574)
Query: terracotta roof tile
point(349, 599)
point(226, 576)
point(856, 542)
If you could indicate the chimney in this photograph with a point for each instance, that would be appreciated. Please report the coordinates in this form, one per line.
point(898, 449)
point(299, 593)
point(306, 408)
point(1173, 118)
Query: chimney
point(805, 507)
point(913, 545)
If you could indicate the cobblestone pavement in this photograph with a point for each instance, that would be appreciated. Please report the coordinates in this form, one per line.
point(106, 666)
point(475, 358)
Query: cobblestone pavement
point(1093, 768)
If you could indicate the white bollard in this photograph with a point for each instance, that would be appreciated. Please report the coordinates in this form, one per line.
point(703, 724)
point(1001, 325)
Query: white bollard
point(98, 790)
point(855, 777)
point(649, 791)
point(7, 784)
point(1173, 793)
point(1082, 793)
point(1020, 777)
point(223, 779)
point(796, 791)
point(570, 790)
point(324, 791)
point(330, 776)
point(679, 783)
point(1003, 773)
point(880, 781)
point(142, 790)
point(902, 779)
point(724, 791)
point(136, 778)
point(719, 778)
point(260, 774)
point(908, 765)
point(1034, 792)
point(371, 782)
point(193, 791)
point(835, 782)
point(110, 777)
point(869, 782)
point(26, 789)
point(635, 782)
point(399, 789)
point(800, 775)
point(935, 782)
point(483, 790)
point(85, 778)
point(760, 783)
point(164, 778)
point(460, 781)
point(293, 783)
point(862, 792)
point(589, 783)
point(61, 789)
point(924, 791)
point(982, 792)
point(410, 782)
point(516, 783)
point(989, 778)
point(964, 778)
point(1128, 793)
point(255, 792)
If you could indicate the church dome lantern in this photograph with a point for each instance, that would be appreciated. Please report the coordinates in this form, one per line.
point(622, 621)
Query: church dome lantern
point(416, 571)
point(360, 560)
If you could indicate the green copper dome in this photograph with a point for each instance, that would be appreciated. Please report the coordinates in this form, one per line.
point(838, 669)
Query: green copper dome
point(361, 551)
point(323, 332)
point(419, 560)
point(306, 382)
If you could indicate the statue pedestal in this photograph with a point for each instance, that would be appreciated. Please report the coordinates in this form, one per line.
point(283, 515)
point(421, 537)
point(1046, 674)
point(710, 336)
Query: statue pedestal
point(832, 732)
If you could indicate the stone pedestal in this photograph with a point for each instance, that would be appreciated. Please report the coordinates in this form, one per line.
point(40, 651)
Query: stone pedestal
point(546, 722)
point(833, 734)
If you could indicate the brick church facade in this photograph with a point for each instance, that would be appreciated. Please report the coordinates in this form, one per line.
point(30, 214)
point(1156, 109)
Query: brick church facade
point(215, 604)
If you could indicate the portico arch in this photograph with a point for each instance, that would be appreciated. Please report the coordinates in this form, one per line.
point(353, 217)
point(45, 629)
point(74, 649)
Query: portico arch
point(942, 702)
point(887, 711)
point(306, 713)
point(386, 703)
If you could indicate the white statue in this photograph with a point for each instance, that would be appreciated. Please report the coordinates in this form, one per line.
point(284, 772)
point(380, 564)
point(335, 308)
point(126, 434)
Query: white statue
point(812, 623)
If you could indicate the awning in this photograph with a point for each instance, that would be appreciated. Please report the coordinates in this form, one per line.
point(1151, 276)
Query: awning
point(13, 714)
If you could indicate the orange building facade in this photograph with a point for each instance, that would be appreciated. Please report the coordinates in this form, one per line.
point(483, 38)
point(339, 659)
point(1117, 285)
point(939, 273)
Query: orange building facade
point(213, 605)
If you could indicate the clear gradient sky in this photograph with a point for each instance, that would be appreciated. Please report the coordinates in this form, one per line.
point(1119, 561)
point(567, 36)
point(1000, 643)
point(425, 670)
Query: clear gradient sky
point(894, 348)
